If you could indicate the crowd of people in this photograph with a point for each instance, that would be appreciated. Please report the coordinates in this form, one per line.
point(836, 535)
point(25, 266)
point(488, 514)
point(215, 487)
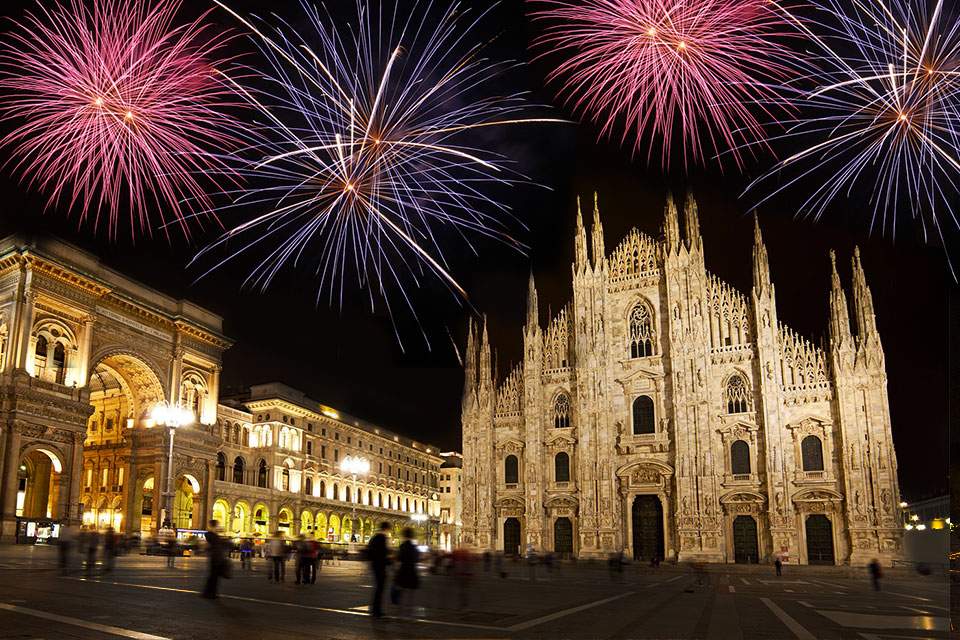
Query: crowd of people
point(81, 549)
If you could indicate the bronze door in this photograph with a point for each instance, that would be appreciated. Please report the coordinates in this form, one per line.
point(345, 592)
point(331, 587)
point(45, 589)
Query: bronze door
point(647, 528)
point(745, 547)
point(819, 540)
point(511, 536)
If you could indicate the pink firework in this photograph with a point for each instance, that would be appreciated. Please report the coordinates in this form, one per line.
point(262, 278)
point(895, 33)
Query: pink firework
point(700, 72)
point(118, 110)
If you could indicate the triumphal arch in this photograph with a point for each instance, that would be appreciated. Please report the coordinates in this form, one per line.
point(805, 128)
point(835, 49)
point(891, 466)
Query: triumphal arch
point(85, 355)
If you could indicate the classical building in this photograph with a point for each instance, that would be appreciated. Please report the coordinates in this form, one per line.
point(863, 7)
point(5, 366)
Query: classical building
point(664, 413)
point(451, 499)
point(86, 354)
point(280, 467)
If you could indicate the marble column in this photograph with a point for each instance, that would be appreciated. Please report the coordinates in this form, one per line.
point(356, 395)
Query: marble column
point(11, 465)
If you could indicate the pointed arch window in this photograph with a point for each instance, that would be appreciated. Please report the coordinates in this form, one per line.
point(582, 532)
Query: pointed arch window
point(221, 466)
point(511, 470)
point(238, 467)
point(561, 467)
point(561, 411)
point(262, 474)
point(740, 458)
point(641, 331)
point(643, 416)
point(811, 452)
point(736, 395)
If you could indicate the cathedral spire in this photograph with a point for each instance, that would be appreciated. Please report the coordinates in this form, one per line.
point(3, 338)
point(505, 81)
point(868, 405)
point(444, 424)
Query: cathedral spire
point(691, 221)
point(470, 362)
point(862, 301)
point(533, 309)
point(580, 260)
point(839, 316)
point(596, 235)
point(671, 226)
point(761, 265)
point(485, 373)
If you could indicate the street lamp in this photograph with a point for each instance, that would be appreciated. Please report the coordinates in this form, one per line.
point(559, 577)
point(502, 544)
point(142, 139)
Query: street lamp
point(420, 518)
point(355, 465)
point(172, 417)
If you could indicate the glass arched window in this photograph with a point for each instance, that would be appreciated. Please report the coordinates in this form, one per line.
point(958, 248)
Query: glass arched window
point(511, 470)
point(323, 489)
point(285, 480)
point(336, 492)
point(40, 356)
point(308, 486)
point(370, 498)
point(221, 466)
point(238, 470)
point(380, 501)
point(59, 362)
point(740, 458)
point(811, 450)
point(561, 467)
point(641, 331)
point(262, 474)
point(643, 418)
point(737, 395)
point(561, 411)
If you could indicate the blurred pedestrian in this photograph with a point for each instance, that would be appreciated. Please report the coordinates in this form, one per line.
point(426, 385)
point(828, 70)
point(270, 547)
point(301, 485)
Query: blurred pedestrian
point(875, 573)
point(313, 554)
point(531, 555)
point(168, 544)
point(304, 562)
point(93, 543)
point(219, 563)
point(486, 561)
point(407, 578)
point(65, 548)
point(246, 554)
point(462, 574)
point(778, 565)
point(379, 558)
point(276, 552)
point(109, 549)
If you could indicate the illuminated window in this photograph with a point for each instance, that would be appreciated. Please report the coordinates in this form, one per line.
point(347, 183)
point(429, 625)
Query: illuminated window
point(737, 395)
point(561, 412)
point(641, 332)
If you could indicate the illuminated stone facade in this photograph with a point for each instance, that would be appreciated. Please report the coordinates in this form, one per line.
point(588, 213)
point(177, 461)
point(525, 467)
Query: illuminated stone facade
point(451, 500)
point(85, 356)
point(664, 413)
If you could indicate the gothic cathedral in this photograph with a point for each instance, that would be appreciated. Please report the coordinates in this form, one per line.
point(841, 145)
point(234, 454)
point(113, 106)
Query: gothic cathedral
point(664, 414)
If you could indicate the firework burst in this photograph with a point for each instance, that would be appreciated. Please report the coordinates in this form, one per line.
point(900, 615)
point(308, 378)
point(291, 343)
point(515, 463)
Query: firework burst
point(115, 107)
point(365, 165)
point(701, 72)
point(883, 115)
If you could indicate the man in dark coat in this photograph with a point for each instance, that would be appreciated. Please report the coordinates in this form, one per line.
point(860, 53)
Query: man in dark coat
point(216, 551)
point(379, 557)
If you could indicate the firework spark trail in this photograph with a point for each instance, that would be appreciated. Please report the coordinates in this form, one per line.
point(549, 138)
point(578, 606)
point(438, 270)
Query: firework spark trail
point(881, 116)
point(118, 109)
point(363, 166)
point(703, 70)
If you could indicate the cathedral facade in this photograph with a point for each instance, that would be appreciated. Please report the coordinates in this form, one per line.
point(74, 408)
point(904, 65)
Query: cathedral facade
point(667, 415)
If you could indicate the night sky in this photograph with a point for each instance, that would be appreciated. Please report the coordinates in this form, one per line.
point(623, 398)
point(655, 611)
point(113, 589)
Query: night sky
point(350, 359)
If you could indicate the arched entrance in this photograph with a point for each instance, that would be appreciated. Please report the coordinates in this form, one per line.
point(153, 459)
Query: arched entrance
point(186, 514)
point(285, 522)
point(745, 543)
point(333, 528)
point(221, 513)
point(647, 520)
point(239, 524)
point(321, 525)
point(511, 536)
point(819, 532)
point(306, 523)
point(39, 485)
point(261, 520)
point(563, 535)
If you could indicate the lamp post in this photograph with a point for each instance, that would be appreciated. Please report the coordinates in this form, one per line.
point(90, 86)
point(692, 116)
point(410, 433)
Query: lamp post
point(172, 417)
point(354, 465)
point(421, 518)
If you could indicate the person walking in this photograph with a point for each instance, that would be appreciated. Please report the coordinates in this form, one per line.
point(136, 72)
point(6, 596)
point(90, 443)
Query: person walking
point(109, 549)
point(65, 548)
point(407, 578)
point(303, 560)
point(218, 561)
point(378, 556)
point(168, 544)
point(246, 554)
point(875, 573)
point(93, 542)
point(778, 565)
point(276, 552)
point(462, 574)
point(313, 555)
